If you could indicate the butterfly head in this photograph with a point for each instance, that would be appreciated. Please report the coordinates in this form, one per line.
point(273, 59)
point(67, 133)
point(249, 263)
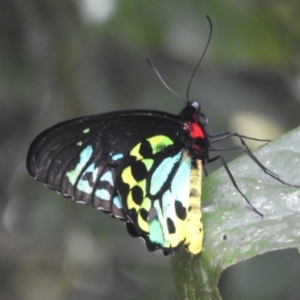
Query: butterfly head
point(192, 110)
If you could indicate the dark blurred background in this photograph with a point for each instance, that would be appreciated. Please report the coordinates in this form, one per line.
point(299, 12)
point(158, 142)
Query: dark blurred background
point(61, 59)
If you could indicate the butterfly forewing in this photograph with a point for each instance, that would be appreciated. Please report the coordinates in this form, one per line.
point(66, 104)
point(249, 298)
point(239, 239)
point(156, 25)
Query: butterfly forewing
point(81, 158)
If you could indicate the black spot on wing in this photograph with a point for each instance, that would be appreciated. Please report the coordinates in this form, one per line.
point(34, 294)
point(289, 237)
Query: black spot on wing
point(171, 226)
point(139, 171)
point(144, 214)
point(145, 149)
point(137, 195)
point(180, 210)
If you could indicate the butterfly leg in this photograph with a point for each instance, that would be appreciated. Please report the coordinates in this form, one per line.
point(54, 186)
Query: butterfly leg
point(232, 177)
point(224, 135)
point(234, 182)
point(214, 138)
point(267, 171)
point(230, 174)
point(246, 149)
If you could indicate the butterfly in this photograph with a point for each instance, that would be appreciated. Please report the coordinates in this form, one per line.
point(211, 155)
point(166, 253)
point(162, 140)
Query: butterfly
point(143, 167)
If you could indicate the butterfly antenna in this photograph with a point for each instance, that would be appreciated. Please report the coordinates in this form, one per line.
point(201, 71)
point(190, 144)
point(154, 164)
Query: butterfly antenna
point(202, 56)
point(163, 82)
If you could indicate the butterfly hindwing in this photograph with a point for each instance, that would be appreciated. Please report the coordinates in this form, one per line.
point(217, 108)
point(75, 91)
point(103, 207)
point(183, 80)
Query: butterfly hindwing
point(156, 193)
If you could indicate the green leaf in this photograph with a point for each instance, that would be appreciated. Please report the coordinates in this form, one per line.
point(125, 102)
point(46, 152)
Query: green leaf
point(232, 231)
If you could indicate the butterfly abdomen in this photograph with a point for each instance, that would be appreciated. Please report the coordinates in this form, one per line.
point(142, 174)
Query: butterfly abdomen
point(194, 227)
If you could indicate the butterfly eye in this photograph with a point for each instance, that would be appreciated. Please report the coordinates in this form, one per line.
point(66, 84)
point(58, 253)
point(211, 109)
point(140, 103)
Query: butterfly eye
point(197, 106)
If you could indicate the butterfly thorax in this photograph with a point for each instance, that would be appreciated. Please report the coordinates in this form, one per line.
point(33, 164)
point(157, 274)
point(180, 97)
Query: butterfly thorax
point(198, 143)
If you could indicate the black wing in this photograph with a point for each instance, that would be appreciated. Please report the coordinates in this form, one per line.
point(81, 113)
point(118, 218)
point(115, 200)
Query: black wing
point(99, 144)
